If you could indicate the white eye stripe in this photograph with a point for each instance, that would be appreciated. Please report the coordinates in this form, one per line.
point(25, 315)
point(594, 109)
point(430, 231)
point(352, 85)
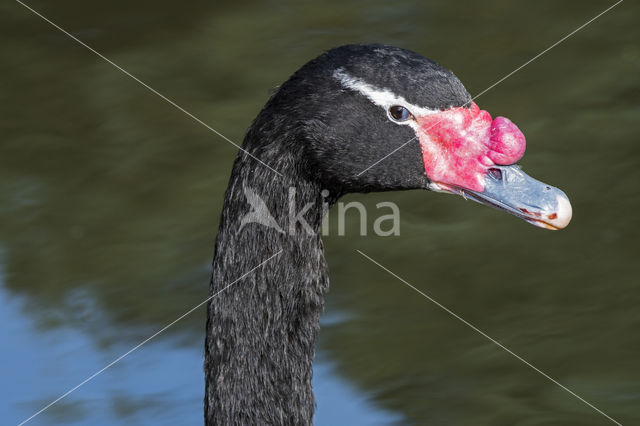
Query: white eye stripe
point(382, 97)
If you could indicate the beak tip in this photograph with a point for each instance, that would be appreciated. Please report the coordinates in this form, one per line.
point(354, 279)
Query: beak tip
point(563, 213)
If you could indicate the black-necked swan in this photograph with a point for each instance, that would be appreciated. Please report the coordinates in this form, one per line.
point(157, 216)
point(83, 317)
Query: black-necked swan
point(338, 125)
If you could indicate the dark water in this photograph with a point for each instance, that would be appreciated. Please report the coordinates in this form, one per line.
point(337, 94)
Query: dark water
point(109, 201)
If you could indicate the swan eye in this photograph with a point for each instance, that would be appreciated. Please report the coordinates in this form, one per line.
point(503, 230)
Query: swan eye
point(399, 113)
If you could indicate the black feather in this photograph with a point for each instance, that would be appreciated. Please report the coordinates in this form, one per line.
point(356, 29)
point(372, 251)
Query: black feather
point(261, 331)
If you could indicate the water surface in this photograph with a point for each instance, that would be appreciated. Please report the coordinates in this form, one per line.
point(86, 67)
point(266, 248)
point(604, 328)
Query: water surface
point(109, 201)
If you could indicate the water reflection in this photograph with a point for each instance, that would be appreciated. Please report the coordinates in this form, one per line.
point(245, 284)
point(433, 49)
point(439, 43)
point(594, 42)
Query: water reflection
point(161, 382)
point(110, 199)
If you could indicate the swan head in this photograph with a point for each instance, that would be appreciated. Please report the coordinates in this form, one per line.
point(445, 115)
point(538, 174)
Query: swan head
point(378, 118)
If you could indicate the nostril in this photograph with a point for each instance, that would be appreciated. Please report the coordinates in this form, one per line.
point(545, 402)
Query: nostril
point(548, 188)
point(495, 173)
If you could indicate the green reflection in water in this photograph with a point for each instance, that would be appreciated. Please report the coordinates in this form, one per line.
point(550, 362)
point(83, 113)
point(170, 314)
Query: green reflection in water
point(106, 190)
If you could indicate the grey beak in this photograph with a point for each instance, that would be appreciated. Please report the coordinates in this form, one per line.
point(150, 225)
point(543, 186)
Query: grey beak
point(510, 189)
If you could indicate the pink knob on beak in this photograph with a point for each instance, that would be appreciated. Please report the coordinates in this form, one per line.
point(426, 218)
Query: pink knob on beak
point(507, 143)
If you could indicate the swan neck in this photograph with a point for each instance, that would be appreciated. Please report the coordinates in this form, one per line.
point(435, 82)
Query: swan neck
point(261, 329)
